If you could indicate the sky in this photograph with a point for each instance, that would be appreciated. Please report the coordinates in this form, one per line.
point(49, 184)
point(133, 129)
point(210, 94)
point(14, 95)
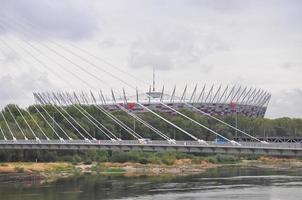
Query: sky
point(254, 43)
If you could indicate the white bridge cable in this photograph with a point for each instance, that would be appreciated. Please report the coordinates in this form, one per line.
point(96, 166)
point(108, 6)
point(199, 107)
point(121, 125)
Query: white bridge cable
point(37, 124)
point(172, 124)
point(21, 114)
point(122, 124)
point(73, 126)
point(41, 106)
point(34, 31)
point(52, 128)
point(106, 62)
point(31, 130)
point(82, 114)
point(16, 122)
point(6, 44)
point(219, 120)
point(92, 64)
point(2, 132)
point(129, 130)
point(67, 99)
point(56, 123)
point(112, 117)
point(6, 123)
point(62, 67)
point(110, 74)
point(92, 119)
point(64, 110)
point(30, 26)
point(143, 122)
point(108, 114)
point(138, 118)
point(184, 102)
point(196, 122)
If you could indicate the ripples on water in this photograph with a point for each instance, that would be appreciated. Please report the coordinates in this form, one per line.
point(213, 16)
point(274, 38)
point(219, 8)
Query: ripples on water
point(221, 183)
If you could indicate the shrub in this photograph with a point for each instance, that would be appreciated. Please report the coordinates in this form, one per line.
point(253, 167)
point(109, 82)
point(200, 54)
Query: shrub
point(227, 158)
point(19, 169)
point(212, 159)
point(115, 170)
point(168, 158)
point(87, 161)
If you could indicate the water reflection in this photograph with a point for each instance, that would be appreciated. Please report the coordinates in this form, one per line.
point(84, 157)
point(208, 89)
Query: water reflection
point(221, 183)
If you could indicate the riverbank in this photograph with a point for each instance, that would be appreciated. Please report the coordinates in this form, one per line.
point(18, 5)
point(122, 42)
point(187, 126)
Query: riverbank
point(52, 171)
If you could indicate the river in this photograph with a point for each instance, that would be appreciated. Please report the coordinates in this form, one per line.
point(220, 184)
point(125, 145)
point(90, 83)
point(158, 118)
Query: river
point(221, 183)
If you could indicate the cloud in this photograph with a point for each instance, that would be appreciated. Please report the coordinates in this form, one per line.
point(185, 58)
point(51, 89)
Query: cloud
point(13, 89)
point(68, 19)
point(174, 47)
point(8, 57)
point(221, 41)
point(286, 103)
point(107, 43)
point(290, 65)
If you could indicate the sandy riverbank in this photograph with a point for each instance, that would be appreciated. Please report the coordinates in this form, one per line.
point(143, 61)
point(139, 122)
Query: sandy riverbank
point(53, 171)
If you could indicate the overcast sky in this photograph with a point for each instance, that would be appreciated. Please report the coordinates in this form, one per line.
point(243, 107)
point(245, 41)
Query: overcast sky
point(250, 43)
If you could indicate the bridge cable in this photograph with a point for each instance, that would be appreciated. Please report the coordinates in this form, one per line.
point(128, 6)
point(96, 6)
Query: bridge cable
point(31, 28)
point(76, 121)
point(16, 123)
point(172, 124)
point(211, 116)
point(73, 126)
point(27, 123)
point(9, 129)
point(39, 61)
point(84, 69)
point(92, 119)
point(23, 115)
point(87, 61)
point(122, 125)
point(34, 120)
point(2, 133)
point(116, 120)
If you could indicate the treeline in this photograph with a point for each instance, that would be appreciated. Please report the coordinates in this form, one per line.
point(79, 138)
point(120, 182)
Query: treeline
point(99, 156)
point(32, 115)
point(55, 120)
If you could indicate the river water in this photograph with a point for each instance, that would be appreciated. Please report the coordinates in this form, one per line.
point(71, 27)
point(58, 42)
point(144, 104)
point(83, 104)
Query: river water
point(221, 183)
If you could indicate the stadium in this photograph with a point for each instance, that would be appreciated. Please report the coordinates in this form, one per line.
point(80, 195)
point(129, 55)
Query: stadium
point(219, 101)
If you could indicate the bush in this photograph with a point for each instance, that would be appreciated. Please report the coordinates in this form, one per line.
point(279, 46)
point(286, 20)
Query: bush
point(143, 160)
point(19, 169)
point(118, 156)
point(212, 159)
point(102, 156)
point(168, 158)
point(227, 158)
point(87, 161)
point(115, 170)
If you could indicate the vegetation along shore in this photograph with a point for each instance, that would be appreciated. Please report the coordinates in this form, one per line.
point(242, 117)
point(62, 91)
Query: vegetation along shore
point(133, 164)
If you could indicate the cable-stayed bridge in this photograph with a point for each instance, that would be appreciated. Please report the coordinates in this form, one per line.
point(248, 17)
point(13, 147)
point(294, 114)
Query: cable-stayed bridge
point(246, 148)
point(37, 127)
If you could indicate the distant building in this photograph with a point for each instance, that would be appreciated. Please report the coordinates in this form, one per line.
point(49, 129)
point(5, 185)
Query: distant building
point(221, 101)
point(251, 102)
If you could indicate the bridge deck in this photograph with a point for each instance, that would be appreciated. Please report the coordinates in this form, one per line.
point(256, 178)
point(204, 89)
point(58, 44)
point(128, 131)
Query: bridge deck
point(281, 149)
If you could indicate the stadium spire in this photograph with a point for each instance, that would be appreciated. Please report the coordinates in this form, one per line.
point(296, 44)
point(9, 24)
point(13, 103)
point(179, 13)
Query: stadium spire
point(153, 79)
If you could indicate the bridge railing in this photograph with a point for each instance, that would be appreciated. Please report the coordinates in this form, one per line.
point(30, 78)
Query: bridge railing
point(153, 143)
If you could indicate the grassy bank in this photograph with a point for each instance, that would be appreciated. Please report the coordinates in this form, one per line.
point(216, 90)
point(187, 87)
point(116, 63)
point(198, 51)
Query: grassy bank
point(142, 164)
